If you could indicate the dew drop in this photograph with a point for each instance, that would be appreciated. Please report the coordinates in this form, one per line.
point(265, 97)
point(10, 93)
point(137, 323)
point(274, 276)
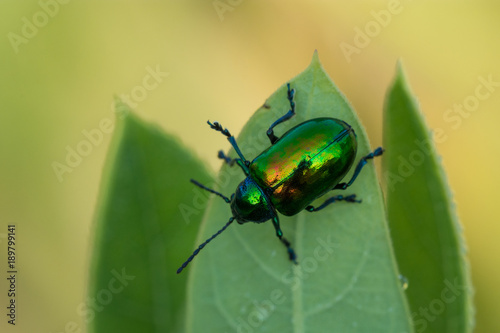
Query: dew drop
point(404, 281)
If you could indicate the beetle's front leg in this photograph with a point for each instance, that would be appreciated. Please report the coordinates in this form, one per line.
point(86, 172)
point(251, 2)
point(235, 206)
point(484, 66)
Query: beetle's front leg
point(291, 253)
point(242, 162)
point(229, 161)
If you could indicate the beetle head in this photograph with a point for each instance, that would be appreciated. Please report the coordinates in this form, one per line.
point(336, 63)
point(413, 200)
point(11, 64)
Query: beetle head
point(250, 204)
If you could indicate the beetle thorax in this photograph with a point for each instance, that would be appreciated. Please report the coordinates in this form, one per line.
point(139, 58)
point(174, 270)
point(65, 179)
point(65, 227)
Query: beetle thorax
point(250, 203)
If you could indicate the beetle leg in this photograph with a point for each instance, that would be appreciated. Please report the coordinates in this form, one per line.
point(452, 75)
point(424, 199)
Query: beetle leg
point(348, 198)
point(270, 133)
point(218, 127)
point(291, 253)
point(361, 164)
point(232, 161)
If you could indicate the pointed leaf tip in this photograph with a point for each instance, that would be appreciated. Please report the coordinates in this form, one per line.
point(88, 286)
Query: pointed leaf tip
point(426, 232)
point(146, 220)
point(248, 266)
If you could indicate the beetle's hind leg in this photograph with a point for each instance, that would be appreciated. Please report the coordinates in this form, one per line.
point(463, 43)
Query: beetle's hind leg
point(361, 164)
point(270, 133)
point(343, 186)
point(348, 198)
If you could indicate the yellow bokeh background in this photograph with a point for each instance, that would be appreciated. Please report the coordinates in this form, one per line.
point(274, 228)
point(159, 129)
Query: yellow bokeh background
point(222, 65)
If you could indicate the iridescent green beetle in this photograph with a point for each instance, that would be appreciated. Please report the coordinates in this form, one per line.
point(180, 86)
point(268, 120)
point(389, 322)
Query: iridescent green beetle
point(305, 163)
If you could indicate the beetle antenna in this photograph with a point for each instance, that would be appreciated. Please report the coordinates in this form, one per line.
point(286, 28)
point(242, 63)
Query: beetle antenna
point(202, 245)
point(226, 199)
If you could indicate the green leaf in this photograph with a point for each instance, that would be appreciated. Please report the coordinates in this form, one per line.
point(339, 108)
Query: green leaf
point(147, 214)
point(346, 280)
point(426, 232)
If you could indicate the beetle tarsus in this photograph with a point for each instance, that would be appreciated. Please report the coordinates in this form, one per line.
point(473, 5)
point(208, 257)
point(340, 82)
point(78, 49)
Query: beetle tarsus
point(348, 198)
point(291, 253)
point(230, 161)
point(218, 127)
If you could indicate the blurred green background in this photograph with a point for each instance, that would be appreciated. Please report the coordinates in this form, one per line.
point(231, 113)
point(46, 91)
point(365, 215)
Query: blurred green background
point(62, 62)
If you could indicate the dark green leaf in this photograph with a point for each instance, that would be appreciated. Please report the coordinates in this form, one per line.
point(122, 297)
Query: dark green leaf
point(426, 233)
point(346, 280)
point(147, 215)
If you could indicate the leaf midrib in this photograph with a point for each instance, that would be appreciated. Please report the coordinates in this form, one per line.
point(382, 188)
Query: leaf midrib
point(158, 291)
point(298, 292)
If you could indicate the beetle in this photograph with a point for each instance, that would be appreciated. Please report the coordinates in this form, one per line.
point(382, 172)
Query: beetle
point(308, 161)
